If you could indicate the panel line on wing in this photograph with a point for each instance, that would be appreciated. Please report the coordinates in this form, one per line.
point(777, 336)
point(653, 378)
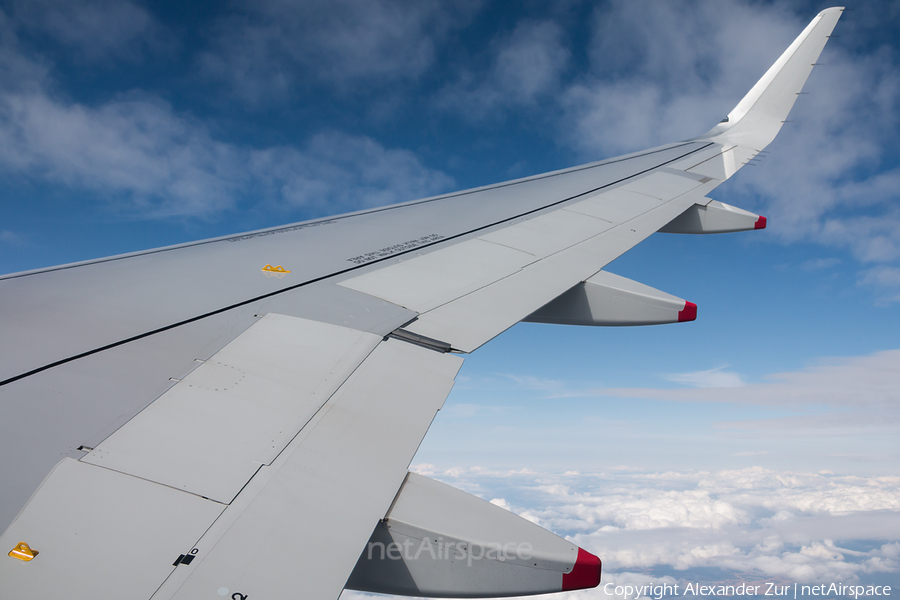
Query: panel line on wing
point(334, 274)
point(301, 522)
point(325, 220)
point(473, 319)
point(239, 409)
point(427, 282)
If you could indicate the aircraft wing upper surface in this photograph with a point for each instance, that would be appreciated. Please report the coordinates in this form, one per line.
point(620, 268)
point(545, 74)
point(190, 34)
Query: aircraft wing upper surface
point(247, 407)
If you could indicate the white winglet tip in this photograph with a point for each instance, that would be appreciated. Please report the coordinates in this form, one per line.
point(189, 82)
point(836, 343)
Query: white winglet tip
point(756, 119)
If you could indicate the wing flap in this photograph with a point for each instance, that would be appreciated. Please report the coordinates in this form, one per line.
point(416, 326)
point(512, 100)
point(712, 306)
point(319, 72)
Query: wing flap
point(210, 433)
point(298, 527)
point(427, 281)
point(541, 237)
point(101, 534)
point(615, 206)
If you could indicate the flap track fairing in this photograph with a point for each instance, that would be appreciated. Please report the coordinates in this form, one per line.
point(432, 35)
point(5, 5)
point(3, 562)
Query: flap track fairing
point(714, 217)
point(612, 301)
point(439, 542)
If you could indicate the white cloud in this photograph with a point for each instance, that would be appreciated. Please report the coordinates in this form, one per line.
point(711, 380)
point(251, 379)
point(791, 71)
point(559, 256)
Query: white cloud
point(663, 72)
point(820, 264)
point(144, 158)
point(750, 526)
point(337, 172)
point(525, 66)
point(712, 378)
point(148, 160)
point(109, 30)
point(866, 382)
point(10, 237)
point(884, 278)
point(137, 151)
point(17, 71)
point(269, 48)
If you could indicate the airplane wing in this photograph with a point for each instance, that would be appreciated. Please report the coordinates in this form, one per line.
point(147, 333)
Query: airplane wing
point(235, 417)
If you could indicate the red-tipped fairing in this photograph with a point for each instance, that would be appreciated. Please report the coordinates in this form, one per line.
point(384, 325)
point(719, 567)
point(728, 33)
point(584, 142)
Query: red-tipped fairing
point(585, 574)
point(612, 301)
point(438, 541)
point(688, 313)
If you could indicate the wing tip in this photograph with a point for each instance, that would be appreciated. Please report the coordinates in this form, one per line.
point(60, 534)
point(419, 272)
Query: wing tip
point(771, 113)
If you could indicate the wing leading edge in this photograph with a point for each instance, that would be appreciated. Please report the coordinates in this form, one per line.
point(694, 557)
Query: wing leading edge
point(262, 469)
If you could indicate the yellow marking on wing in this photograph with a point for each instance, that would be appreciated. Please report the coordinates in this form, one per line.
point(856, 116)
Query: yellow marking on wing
point(23, 551)
point(278, 269)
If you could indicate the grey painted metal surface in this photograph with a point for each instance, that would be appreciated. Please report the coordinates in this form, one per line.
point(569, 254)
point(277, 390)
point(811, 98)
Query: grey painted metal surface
point(87, 346)
point(474, 319)
point(611, 301)
point(713, 216)
point(438, 541)
point(82, 402)
point(237, 411)
point(101, 534)
point(140, 293)
point(540, 236)
point(297, 529)
point(426, 282)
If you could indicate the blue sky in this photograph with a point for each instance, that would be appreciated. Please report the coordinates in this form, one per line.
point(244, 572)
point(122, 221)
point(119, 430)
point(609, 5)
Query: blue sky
point(129, 125)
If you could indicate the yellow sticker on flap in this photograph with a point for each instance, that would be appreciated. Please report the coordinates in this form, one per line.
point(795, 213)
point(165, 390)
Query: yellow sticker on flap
point(278, 269)
point(23, 551)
